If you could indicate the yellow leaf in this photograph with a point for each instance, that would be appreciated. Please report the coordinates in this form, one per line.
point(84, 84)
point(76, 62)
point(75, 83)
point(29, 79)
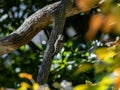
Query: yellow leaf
point(36, 86)
point(81, 87)
point(22, 88)
point(25, 85)
point(25, 75)
point(105, 54)
point(82, 68)
point(106, 82)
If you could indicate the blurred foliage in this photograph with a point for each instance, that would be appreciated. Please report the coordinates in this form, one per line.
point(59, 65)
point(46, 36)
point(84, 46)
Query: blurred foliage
point(88, 61)
point(24, 85)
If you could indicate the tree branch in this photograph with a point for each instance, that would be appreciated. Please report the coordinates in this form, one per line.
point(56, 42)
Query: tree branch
point(59, 15)
point(31, 26)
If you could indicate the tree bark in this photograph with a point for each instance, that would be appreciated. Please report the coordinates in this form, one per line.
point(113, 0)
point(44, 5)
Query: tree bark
point(59, 15)
point(31, 26)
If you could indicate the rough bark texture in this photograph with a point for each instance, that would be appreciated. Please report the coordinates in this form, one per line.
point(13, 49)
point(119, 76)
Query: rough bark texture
point(59, 15)
point(31, 26)
point(36, 22)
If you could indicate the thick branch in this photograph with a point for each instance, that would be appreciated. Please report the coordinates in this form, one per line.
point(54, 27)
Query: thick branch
point(31, 26)
point(59, 15)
